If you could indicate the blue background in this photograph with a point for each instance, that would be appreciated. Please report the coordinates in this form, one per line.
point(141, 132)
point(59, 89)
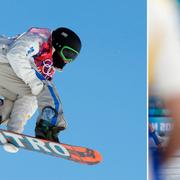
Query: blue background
point(103, 92)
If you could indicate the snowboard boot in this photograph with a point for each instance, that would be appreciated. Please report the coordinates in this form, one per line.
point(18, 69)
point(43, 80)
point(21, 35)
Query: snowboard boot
point(45, 130)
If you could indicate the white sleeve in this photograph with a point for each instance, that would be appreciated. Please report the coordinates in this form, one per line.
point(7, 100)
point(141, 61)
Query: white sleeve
point(19, 56)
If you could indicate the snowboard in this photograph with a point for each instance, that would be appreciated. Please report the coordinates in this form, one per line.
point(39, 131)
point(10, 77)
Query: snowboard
point(78, 154)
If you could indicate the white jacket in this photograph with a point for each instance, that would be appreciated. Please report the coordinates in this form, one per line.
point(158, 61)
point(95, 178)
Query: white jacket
point(19, 51)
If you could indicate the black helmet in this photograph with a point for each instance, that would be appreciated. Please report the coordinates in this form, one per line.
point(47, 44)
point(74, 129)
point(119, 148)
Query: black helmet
point(67, 46)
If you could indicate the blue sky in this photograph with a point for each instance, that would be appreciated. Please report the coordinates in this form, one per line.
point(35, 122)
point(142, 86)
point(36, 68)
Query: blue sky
point(103, 92)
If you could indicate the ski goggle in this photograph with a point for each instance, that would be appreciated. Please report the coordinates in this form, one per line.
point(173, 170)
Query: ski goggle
point(68, 54)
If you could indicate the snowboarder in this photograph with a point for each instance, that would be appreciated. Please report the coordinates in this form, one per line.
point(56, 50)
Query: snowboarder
point(27, 65)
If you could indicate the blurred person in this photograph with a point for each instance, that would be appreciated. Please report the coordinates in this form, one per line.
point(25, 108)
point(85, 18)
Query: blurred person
point(27, 64)
point(164, 67)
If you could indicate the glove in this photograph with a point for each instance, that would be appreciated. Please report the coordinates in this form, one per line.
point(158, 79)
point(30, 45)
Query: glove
point(45, 130)
point(36, 86)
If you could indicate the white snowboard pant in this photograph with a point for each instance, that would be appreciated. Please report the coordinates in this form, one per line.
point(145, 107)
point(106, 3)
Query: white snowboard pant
point(16, 113)
point(20, 104)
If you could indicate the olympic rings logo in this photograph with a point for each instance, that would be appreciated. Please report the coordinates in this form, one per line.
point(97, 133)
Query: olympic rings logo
point(47, 68)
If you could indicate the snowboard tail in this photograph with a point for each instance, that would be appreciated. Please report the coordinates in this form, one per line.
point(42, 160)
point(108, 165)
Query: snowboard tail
point(75, 153)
